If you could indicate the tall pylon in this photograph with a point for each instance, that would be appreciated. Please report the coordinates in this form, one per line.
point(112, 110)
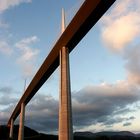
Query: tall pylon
point(22, 118)
point(21, 122)
point(11, 129)
point(65, 107)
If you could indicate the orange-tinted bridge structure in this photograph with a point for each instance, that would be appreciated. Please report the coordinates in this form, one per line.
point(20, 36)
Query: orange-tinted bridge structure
point(86, 17)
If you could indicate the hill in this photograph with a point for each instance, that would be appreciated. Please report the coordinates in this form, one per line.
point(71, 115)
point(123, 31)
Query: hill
point(28, 132)
point(122, 135)
point(31, 134)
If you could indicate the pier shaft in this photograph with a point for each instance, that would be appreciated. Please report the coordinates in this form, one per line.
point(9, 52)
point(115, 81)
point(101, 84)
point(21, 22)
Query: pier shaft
point(21, 123)
point(65, 108)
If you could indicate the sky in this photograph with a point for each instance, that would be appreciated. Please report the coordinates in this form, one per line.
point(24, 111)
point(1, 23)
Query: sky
point(104, 66)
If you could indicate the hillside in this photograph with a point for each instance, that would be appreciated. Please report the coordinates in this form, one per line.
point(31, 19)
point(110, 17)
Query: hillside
point(31, 134)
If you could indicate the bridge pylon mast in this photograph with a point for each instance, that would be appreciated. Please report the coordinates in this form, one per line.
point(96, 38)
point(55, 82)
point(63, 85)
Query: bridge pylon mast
point(65, 107)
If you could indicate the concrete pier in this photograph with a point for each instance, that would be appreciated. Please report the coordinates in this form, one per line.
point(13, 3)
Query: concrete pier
point(11, 129)
point(21, 123)
point(65, 110)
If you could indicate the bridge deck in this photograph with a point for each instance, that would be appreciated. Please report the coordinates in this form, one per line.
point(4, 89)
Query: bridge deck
point(87, 16)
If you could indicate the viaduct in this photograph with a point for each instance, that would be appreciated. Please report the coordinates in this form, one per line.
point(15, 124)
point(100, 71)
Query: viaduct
point(87, 16)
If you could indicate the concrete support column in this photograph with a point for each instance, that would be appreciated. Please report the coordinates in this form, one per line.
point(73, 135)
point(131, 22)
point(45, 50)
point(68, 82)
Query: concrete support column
point(21, 123)
point(65, 107)
point(11, 128)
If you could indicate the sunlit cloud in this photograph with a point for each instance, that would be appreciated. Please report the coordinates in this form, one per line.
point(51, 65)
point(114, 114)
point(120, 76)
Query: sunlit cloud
point(27, 55)
point(5, 48)
point(133, 64)
point(6, 4)
point(120, 33)
point(121, 26)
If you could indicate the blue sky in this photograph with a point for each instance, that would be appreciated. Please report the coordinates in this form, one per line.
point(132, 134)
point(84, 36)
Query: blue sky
point(105, 65)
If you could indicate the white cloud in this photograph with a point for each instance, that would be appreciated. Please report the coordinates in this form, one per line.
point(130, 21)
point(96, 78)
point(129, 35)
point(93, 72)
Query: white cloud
point(23, 52)
point(132, 57)
point(6, 4)
point(27, 54)
point(121, 33)
point(5, 48)
point(121, 26)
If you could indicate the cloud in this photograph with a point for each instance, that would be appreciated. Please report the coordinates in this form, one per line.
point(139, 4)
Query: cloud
point(7, 100)
point(131, 118)
point(120, 33)
point(5, 48)
point(3, 117)
point(5, 113)
point(6, 96)
point(127, 124)
point(121, 25)
point(97, 104)
point(27, 54)
point(6, 4)
point(133, 64)
point(42, 112)
point(6, 90)
point(113, 120)
point(101, 104)
point(23, 52)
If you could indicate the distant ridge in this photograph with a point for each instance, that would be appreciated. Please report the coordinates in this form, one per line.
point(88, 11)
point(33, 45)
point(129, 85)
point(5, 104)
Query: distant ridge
point(31, 134)
point(138, 135)
point(4, 132)
point(121, 133)
point(84, 134)
point(109, 135)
